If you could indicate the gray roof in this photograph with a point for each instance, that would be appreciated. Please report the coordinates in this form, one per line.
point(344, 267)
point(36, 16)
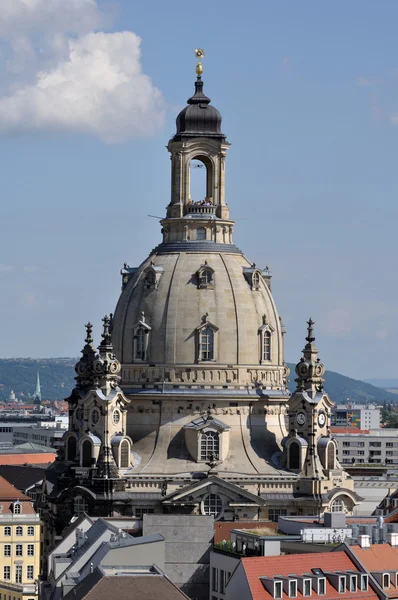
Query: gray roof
point(92, 535)
point(207, 421)
point(195, 246)
point(126, 583)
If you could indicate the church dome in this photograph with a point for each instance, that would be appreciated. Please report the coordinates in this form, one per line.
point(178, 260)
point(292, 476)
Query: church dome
point(197, 311)
point(199, 118)
point(174, 296)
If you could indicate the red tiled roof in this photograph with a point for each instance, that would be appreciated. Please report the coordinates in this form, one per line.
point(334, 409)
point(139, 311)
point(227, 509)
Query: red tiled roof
point(222, 529)
point(378, 557)
point(37, 458)
point(349, 430)
point(9, 493)
point(271, 566)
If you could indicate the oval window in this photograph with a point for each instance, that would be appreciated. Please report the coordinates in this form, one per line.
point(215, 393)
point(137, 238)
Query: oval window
point(116, 417)
point(95, 416)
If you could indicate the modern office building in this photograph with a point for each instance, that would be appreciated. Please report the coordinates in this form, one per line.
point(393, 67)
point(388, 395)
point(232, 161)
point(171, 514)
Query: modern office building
point(360, 416)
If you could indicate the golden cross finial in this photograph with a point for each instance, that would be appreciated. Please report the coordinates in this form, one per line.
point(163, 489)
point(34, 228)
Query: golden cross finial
point(199, 53)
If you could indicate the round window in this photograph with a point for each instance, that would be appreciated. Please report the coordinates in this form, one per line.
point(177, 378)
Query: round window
point(212, 505)
point(79, 413)
point(116, 417)
point(95, 416)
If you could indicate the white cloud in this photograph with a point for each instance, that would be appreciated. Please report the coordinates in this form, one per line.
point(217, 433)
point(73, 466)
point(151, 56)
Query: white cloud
point(77, 80)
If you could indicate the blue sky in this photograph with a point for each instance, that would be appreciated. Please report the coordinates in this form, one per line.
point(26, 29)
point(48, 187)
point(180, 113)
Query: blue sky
point(309, 97)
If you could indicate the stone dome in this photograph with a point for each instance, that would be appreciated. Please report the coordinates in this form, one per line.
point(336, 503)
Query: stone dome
point(166, 295)
point(199, 118)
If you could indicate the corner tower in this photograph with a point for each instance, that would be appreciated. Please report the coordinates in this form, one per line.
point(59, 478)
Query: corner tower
point(309, 449)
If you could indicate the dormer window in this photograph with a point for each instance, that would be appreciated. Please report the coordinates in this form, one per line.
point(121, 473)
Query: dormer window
point(293, 588)
point(353, 583)
point(140, 348)
point(205, 275)
point(364, 583)
point(141, 340)
point(321, 586)
point(253, 276)
point(206, 341)
point(265, 338)
point(278, 589)
point(209, 445)
point(255, 280)
point(151, 278)
point(207, 344)
point(342, 585)
point(267, 346)
point(17, 508)
point(386, 580)
point(152, 275)
point(307, 587)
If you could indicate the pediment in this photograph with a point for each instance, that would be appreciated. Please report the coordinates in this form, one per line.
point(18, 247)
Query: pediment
point(207, 485)
point(207, 422)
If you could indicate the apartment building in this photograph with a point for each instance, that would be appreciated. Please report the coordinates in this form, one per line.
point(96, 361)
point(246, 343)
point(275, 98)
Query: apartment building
point(377, 446)
point(20, 545)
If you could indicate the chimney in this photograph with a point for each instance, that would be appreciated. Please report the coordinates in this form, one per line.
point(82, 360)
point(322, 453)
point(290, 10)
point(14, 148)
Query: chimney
point(80, 537)
point(364, 541)
point(392, 539)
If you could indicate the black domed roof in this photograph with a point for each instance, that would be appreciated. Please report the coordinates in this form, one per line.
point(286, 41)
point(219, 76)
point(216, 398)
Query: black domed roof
point(199, 119)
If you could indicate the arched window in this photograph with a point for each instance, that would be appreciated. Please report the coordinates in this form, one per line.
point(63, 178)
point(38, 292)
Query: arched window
point(294, 456)
point(255, 280)
point(151, 277)
point(18, 530)
point(17, 508)
point(212, 505)
point(80, 505)
point(209, 445)
point(331, 456)
point(71, 448)
point(87, 453)
point(267, 345)
point(338, 505)
point(140, 346)
point(206, 344)
point(201, 233)
point(197, 177)
point(124, 455)
point(206, 277)
point(386, 580)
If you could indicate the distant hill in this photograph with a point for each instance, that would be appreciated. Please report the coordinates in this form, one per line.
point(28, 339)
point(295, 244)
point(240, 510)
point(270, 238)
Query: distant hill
point(384, 383)
point(339, 387)
point(19, 374)
point(57, 380)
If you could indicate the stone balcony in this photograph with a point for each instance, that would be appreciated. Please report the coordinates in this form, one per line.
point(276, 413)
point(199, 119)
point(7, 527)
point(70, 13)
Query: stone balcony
point(200, 209)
